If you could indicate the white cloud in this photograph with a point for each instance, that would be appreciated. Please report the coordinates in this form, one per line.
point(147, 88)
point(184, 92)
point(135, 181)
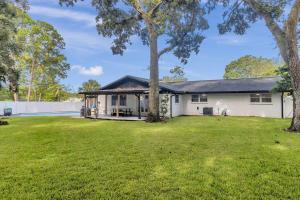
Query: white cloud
point(85, 17)
point(89, 71)
point(232, 40)
point(86, 42)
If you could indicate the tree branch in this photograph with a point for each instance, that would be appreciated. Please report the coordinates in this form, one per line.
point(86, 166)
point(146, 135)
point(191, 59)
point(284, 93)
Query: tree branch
point(273, 26)
point(166, 50)
point(156, 7)
point(290, 27)
point(172, 46)
point(136, 5)
point(293, 17)
point(235, 6)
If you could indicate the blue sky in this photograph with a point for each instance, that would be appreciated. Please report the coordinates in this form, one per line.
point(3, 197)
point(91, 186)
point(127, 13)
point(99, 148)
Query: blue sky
point(91, 58)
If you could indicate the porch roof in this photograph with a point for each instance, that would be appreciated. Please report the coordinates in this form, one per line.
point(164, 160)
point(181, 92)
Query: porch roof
point(118, 91)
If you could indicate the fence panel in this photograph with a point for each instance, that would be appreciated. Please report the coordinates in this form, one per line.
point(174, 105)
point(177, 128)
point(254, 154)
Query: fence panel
point(288, 107)
point(40, 107)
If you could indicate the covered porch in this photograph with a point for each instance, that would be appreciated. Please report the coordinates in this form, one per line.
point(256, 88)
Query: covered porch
point(116, 104)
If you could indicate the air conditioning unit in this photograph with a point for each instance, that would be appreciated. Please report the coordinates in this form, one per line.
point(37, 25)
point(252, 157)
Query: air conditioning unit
point(208, 111)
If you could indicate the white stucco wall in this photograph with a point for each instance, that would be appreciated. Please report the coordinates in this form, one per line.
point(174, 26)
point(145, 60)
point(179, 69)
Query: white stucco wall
point(236, 104)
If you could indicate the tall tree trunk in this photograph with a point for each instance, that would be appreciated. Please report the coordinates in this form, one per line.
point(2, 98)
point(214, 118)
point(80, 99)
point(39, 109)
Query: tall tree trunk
point(295, 125)
point(29, 92)
point(14, 89)
point(16, 96)
point(34, 94)
point(30, 82)
point(287, 41)
point(154, 80)
point(293, 62)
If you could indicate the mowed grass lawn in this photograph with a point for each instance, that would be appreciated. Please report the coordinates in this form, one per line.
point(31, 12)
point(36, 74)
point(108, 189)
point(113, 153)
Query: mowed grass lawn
point(186, 158)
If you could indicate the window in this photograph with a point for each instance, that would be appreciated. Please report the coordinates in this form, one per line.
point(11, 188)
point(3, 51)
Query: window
point(199, 98)
point(254, 98)
point(261, 98)
point(114, 99)
point(176, 98)
point(195, 98)
point(203, 98)
point(266, 98)
point(123, 99)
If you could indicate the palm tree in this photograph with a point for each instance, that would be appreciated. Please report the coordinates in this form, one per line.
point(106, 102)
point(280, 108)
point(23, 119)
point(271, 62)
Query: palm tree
point(90, 85)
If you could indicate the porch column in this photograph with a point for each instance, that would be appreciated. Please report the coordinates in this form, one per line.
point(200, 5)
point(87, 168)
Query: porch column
point(139, 105)
point(85, 106)
point(97, 107)
point(105, 111)
point(118, 104)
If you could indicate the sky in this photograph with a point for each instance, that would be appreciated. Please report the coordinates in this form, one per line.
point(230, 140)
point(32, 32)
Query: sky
point(90, 56)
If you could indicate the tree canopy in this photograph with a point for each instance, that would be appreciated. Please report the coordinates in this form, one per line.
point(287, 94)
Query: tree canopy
point(30, 53)
point(41, 61)
point(90, 85)
point(285, 84)
point(177, 75)
point(250, 67)
point(8, 46)
point(181, 22)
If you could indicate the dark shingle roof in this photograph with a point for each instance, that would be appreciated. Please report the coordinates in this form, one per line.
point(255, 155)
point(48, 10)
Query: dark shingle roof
point(265, 84)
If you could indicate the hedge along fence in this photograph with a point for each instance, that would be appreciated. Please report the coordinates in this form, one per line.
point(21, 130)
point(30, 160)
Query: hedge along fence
point(40, 107)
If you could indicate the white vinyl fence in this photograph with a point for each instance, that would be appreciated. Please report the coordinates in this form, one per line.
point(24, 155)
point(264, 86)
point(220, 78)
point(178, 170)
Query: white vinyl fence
point(40, 107)
point(288, 107)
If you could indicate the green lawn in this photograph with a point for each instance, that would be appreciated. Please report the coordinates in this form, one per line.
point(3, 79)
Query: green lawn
point(186, 158)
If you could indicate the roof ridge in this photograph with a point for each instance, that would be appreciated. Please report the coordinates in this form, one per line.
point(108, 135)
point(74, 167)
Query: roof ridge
point(234, 79)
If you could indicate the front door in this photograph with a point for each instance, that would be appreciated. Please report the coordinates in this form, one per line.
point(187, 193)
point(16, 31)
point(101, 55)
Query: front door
point(144, 105)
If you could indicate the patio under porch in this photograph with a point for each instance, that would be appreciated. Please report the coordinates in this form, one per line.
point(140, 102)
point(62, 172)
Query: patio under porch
point(116, 104)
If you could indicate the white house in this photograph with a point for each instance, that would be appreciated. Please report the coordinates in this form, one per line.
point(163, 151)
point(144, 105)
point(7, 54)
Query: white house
point(128, 97)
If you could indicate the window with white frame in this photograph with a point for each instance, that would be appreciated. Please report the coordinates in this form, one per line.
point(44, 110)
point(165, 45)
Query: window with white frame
point(203, 98)
point(176, 98)
point(266, 98)
point(123, 100)
point(261, 98)
point(114, 99)
point(195, 98)
point(254, 98)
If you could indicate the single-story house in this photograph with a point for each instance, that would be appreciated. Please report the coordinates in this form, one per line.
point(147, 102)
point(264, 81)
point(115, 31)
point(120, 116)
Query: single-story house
point(128, 97)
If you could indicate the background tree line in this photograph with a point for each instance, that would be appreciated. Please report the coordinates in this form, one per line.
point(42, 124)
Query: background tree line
point(31, 59)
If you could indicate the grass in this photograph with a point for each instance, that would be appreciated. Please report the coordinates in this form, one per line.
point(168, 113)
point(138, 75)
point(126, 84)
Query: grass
point(186, 158)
